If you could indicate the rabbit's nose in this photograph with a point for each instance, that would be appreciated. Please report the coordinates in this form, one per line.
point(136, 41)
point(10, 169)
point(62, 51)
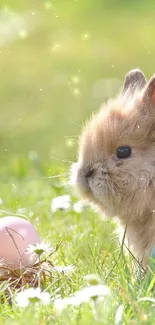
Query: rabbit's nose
point(103, 171)
point(90, 173)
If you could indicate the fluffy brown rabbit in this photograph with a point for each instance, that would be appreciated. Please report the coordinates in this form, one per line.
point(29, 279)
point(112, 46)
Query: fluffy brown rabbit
point(116, 165)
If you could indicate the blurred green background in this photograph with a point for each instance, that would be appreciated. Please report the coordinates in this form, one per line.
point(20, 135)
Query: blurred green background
point(59, 60)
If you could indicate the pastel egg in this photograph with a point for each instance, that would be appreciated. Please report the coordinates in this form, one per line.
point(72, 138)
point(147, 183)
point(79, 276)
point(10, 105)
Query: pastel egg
point(15, 236)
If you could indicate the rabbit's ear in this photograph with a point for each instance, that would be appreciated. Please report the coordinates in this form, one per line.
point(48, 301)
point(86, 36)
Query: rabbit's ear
point(148, 95)
point(134, 80)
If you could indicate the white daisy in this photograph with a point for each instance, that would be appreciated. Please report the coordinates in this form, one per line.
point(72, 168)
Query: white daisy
point(78, 207)
point(82, 296)
point(39, 249)
point(32, 295)
point(61, 202)
point(64, 269)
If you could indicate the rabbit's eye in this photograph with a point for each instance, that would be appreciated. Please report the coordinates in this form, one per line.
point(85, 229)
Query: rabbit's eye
point(124, 152)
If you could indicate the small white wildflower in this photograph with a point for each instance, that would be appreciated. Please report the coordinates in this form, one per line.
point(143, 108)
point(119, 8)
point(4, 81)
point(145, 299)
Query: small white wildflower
point(64, 269)
point(32, 295)
point(22, 299)
point(61, 202)
point(61, 304)
point(82, 296)
point(78, 207)
point(39, 249)
point(93, 291)
point(92, 279)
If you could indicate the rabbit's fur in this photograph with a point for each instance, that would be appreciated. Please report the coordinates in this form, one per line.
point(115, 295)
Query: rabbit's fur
point(124, 188)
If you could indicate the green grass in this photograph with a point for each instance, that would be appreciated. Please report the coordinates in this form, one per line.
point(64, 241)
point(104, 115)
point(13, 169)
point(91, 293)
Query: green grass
point(87, 241)
point(51, 82)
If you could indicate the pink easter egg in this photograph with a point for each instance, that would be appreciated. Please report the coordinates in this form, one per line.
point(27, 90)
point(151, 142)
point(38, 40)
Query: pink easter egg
point(15, 236)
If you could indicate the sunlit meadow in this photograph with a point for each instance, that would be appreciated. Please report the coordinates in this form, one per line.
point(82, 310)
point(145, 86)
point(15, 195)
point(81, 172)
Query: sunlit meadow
point(59, 60)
